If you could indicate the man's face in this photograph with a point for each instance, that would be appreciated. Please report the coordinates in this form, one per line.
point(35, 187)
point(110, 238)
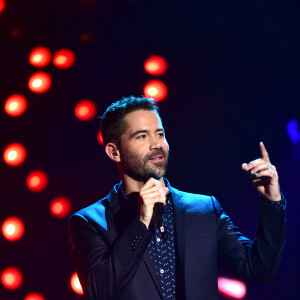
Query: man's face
point(143, 147)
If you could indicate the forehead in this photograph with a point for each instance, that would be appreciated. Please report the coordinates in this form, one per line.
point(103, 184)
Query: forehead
point(142, 120)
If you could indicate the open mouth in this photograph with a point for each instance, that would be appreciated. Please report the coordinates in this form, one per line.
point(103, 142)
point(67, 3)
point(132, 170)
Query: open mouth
point(157, 158)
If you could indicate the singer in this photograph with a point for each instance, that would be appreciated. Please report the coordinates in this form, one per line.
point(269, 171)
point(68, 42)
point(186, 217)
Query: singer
point(147, 240)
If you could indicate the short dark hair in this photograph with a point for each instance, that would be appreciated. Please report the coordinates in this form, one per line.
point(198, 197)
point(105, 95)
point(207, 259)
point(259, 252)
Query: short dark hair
point(112, 125)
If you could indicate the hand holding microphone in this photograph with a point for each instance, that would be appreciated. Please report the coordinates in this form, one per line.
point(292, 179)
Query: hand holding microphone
point(151, 193)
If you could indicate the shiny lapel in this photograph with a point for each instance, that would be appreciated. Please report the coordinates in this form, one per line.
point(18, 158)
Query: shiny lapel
point(180, 230)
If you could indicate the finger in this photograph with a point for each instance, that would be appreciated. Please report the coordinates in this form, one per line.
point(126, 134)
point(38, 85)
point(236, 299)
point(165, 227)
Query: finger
point(261, 167)
point(263, 152)
point(151, 182)
point(252, 164)
point(266, 173)
point(149, 191)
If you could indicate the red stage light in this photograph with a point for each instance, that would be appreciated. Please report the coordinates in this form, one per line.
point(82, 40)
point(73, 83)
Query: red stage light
point(75, 284)
point(2, 5)
point(60, 207)
point(14, 154)
point(85, 110)
point(37, 181)
point(39, 82)
point(156, 89)
point(40, 57)
point(11, 278)
point(232, 288)
point(100, 138)
point(34, 296)
point(156, 65)
point(12, 229)
point(64, 58)
point(15, 105)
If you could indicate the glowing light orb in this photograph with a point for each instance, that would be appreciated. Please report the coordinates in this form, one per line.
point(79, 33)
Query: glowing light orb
point(14, 154)
point(156, 89)
point(85, 110)
point(75, 284)
point(15, 105)
point(100, 138)
point(64, 58)
point(12, 229)
point(232, 288)
point(2, 5)
point(156, 65)
point(11, 278)
point(39, 82)
point(60, 207)
point(293, 131)
point(37, 181)
point(34, 296)
point(40, 57)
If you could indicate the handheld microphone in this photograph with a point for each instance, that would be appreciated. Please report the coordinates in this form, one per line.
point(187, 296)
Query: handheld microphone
point(158, 214)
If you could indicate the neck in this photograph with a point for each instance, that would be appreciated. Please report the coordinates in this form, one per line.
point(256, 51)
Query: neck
point(131, 185)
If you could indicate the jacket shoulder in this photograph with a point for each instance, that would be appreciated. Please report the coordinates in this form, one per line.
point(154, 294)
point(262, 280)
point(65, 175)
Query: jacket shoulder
point(198, 202)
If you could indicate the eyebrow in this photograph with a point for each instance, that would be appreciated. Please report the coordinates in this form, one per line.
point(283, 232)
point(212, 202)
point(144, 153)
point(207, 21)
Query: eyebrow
point(145, 131)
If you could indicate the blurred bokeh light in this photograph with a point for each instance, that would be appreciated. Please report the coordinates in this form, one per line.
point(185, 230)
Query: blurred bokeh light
point(75, 284)
point(15, 105)
point(2, 5)
point(13, 229)
point(37, 181)
point(85, 110)
point(14, 154)
point(40, 57)
point(232, 288)
point(64, 58)
point(156, 65)
point(156, 89)
point(39, 82)
point(60, 207)
point(100, 138)
point(11, 278)
point(34, 296)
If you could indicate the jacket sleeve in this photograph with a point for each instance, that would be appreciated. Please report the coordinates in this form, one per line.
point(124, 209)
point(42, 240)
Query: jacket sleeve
point(105, 271)
point(256, 260)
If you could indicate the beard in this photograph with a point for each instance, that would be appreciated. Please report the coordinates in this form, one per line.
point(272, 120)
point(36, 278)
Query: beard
point(141, 169)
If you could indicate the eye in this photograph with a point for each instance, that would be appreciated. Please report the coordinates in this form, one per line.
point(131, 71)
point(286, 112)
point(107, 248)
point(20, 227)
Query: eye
point(161, 134)
point(140, 137)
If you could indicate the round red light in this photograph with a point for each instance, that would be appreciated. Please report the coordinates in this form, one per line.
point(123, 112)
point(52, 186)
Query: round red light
point(37, 181)
point(40, 57)
point(100, 138)
point(60, 207)
point(15, 105)
point(13, 229)
point(75, 284)
point(156, 89)
point(14, 154)
point(156, 65)
point(64, 58)
point(85, 110)
point(34, 296)
point(11, 278)
point(2, 5)
point(39, 82)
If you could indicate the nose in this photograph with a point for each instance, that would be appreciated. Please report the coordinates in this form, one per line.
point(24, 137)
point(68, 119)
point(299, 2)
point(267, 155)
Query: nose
point(155, 143)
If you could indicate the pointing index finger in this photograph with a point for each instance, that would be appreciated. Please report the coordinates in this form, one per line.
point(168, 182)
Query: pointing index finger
point(263, 152)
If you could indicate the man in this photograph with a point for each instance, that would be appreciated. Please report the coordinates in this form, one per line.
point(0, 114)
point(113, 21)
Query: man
point(147, 240)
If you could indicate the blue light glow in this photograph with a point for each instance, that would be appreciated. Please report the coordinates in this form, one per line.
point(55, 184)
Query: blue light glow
point(293, 131)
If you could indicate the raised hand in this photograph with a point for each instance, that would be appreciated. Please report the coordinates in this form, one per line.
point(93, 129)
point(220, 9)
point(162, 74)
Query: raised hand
point(264, 175)
point(152, 192)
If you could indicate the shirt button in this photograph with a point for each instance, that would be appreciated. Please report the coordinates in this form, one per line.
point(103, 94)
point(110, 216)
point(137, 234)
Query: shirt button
point(158, 240)
point(162, 271)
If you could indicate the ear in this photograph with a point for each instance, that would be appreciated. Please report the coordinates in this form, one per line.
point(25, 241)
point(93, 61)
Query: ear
point(112, 152)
